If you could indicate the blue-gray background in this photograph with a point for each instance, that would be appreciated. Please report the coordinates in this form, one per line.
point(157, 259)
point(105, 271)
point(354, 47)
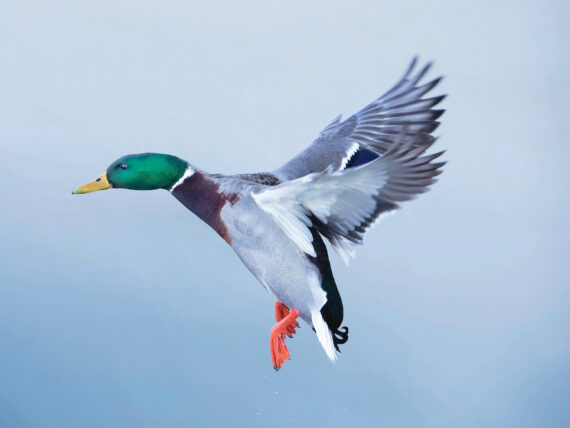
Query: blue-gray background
point(121, 309)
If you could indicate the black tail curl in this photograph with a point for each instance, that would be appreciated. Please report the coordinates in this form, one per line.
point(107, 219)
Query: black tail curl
point(340, 337)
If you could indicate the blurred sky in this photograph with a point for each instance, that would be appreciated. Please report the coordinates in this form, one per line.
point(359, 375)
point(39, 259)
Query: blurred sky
point(121, 309)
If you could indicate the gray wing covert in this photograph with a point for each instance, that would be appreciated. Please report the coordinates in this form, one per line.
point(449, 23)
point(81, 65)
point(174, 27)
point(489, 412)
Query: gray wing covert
point(342, 205)
point(400, 111)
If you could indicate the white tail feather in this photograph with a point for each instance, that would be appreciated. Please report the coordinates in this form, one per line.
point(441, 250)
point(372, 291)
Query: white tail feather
point(324, 335)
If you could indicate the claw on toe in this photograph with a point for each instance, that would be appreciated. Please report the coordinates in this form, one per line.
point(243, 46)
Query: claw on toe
point(286, 326)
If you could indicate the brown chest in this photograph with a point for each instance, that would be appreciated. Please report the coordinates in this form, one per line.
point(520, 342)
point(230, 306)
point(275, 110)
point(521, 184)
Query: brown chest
point(202, 196)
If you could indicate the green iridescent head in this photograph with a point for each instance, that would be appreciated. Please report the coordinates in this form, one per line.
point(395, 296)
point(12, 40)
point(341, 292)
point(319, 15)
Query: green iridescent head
point(145, 171)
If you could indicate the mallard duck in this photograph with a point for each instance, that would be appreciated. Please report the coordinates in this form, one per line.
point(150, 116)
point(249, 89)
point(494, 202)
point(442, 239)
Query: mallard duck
point(355, 171)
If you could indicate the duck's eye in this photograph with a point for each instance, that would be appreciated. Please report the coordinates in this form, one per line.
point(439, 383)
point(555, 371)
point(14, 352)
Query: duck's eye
point(123, 166)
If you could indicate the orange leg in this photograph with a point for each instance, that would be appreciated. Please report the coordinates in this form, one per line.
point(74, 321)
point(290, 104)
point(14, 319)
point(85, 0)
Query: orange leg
point(281, 311)
point(285, 326)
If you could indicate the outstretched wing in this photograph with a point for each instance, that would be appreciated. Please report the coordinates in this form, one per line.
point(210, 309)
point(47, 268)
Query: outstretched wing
point(374, 129)
point(343, 204)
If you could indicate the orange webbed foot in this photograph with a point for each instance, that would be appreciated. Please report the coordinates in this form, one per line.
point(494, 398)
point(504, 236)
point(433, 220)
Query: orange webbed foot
point(286, 326)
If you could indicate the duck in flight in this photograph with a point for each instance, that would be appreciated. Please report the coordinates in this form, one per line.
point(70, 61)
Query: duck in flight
point(355, 171)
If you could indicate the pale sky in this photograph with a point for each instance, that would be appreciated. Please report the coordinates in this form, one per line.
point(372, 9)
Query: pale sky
point(122, 309)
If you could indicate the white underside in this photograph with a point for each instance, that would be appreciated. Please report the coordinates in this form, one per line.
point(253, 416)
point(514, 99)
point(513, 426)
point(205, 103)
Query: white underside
point(324, 335)
point(278, 264)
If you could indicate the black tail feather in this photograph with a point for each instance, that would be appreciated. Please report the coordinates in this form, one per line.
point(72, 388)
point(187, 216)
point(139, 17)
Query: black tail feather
point(332, 310)
point(340, 337)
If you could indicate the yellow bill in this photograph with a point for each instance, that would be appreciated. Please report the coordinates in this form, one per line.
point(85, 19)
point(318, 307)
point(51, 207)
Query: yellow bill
point(100, 184)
